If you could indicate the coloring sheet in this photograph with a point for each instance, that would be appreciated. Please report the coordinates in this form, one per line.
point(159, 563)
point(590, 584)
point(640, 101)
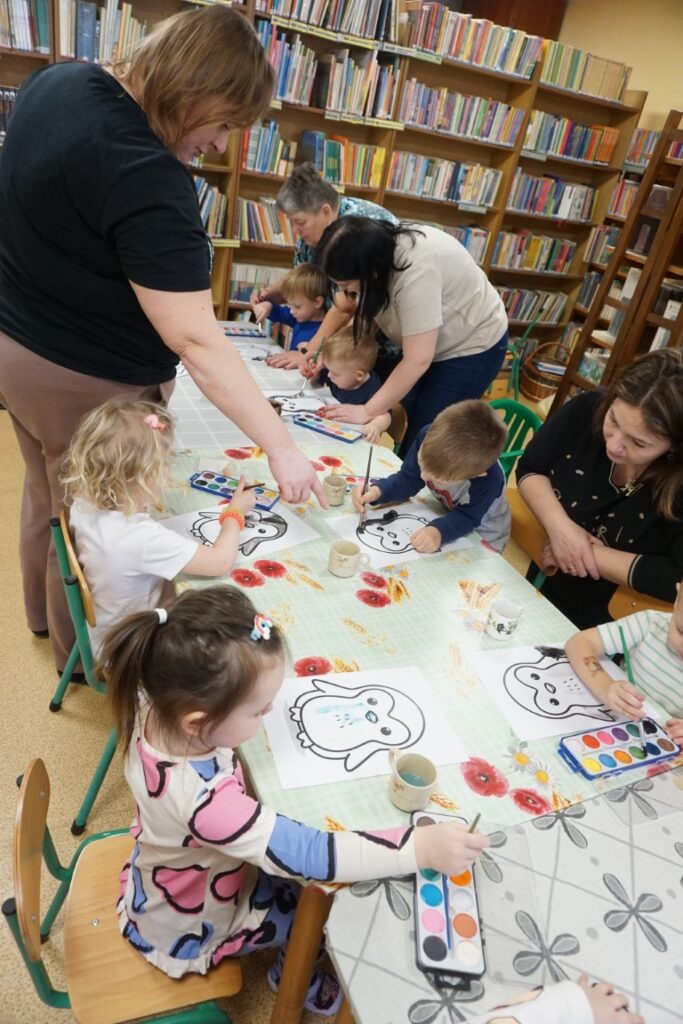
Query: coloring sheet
point(293, 402)
point(387, 532)
point(263, 534)
point(341, 726)
point(250, 350)
point(539, 694)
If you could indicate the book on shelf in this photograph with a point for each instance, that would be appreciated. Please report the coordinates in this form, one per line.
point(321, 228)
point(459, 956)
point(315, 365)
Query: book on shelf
point(103, 33)
point(433, 178)
point(377, 19)
point(622, 197)
point(471, 237)
point(641, 147)
point(523, 250)
point(630, 283)
point(589, 287)
point(454, 113)
point(658, 197)
point(549, 196)
point(25, 25)
point(245, 277)
point(356, 83)
point(212, 207)
point(675, 151)
point(525, 304)
point(570, 333)
point(570, 68)
point(601, 243)
point(8, 97)
point(294, 63)
point(263, 222)
point(643, 236)
point(555, 135)
point(264, 150)
point(342, 161)
point(662, 335)
point(593, 363)
point(670, 291)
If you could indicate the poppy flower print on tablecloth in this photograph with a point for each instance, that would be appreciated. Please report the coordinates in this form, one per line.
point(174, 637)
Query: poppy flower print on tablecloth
point(371, 579)
point(314, 666)
point(238, 453)
point(331, 460)
point(247, 578)
point(273, 570)
point(483, 777)
point(530, 801)
point(373, 598)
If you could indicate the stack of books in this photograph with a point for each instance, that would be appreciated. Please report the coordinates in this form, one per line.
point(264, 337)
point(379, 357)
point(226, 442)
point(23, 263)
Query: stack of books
point(551, 197)
point(342, 161)
point(641, 147)
point(569, 68)
point(376, 20)
point(357, 84)
point(601, 242)
point(294, 63)
point(263, 222)
point(457, 113)
point(8, 97)
point(555, 135)
point(213, 207)
point(25, 25)
point(264, 150)
point(432, 178)
point(103, 34)
point(523, 304)
point(245, 277)
point(523, 250)
point(622, 198)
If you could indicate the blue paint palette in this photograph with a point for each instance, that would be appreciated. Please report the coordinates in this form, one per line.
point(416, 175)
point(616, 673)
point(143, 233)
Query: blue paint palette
point(448, 935)
point(612, 749)
point(224, 487)
point(340, 431)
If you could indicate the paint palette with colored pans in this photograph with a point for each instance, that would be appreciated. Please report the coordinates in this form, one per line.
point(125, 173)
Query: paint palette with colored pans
point(448, 934)
point(224, 487)
point(616, 748)
point(340, 431)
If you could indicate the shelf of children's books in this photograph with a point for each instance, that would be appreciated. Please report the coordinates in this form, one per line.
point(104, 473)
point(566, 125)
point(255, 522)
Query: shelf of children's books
point(564, 221)
point(584, 97)
point(571, 161)
point(305, 28)
point(302, 108)
point(505, 76)
point(225, 243)
point(11, 51)
point(636, 257)
point(459, 205)
point(271, 246)
point(554, 274)
point(453, 137)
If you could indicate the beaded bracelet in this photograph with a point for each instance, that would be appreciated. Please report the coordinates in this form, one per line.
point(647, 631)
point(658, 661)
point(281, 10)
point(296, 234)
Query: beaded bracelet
point(232, 513)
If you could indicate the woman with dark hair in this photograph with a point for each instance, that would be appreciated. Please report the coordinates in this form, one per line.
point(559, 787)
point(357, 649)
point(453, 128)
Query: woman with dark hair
point(428, 296)
point(604, 476)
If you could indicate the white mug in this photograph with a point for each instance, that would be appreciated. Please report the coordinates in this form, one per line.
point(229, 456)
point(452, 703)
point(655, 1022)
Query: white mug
point(412, 780)
point(334, 487)
point(503, 619)
point(346, 558)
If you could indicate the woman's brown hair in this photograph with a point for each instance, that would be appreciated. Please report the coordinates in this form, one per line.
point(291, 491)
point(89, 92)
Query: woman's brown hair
point(211, 57)
point(201, 659)
point(654, 385)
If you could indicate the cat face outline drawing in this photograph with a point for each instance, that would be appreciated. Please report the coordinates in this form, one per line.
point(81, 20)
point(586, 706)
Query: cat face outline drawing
point(548, 688)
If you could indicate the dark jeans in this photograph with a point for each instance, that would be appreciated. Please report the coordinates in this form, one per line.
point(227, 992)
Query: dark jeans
point(448, 382)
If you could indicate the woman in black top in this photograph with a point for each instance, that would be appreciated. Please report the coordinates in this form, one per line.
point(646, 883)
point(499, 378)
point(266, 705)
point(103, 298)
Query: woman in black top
point(605, 478)
point(105, 264)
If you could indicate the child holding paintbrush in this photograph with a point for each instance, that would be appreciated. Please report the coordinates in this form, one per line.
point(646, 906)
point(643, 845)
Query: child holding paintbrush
point(654, 656)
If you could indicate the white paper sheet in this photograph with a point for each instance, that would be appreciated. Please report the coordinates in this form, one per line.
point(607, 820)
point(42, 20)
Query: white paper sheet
point(293, 402)
point(341, 726)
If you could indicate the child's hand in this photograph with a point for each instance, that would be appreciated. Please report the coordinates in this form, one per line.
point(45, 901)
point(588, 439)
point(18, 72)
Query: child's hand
point(448, 847)
point(242, 501)
point(259, 295)
point(674, 730)
point(623, 698)
point(376, 426)
point(308, 369)
point(427, 540)
point(261, 311)
point(359, 499)
point(608, 1006)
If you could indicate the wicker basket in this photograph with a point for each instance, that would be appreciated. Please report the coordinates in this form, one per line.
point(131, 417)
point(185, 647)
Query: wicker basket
point(536, 384)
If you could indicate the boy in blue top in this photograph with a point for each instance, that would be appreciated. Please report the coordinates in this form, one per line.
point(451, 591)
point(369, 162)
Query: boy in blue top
point(347, 367)
point(304, 289)
point(457, 458)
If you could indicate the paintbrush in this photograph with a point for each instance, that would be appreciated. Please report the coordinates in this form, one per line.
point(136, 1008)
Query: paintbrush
point(629, 673)
point(250, 487)
point(316, 357)
point(361, 521)
point(475, 822)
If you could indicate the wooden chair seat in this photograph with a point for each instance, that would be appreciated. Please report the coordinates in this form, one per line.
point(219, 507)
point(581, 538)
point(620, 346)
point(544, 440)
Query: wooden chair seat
point(107, 979)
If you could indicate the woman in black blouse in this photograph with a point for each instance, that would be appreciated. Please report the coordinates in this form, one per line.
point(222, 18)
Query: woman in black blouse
point(604, 476)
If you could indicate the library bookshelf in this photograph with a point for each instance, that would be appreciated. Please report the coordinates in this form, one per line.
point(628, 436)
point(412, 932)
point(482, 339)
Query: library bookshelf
point(498, 167)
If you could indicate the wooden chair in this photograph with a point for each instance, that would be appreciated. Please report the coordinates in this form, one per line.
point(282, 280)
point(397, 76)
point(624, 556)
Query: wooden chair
point(106, 978)
point(528, 533)
point(82, 612)
point(399, 425)
point(522, 423)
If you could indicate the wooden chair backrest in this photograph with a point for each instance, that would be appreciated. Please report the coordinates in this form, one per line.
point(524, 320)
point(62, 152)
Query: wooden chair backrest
point(626, 602)
point(399, 423)
point(27, 853)
point(86, 596)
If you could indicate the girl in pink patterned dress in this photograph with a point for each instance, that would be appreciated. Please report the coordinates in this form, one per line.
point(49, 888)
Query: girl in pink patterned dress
point(214, 873)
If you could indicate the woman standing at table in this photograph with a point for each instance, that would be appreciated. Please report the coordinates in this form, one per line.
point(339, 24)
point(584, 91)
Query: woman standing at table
point(425, 292)
point(105, 264)
point(604, 476)
point(312, 204)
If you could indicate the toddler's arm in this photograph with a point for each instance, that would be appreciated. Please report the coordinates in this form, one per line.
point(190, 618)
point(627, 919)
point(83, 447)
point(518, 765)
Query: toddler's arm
point(220, 557)
point(261, 311)
point(376, 426)
point(567, 1002)
point(583, 651)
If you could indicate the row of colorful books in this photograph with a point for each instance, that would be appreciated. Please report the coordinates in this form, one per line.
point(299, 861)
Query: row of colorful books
point(570, 68)
point(103, 34)
point(25, 25)
point(433, 178)
point(359, 84)
point(551, 197)
point(213, 206)
point(264, 150)
point(523, 250)
point(263, 222)
point(8, 97)
point(471, 237)
point(600, 245)
point(525, 304)
point(245, 277)
point(376, 20)
point(560, 136)
point(459, 113)
point(294, 63)
point(622, 197)
point(342, 161)
point(641, 147)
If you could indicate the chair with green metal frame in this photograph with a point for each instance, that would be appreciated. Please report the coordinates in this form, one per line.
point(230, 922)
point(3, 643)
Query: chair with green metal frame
point(82, 612)
point(522, 424)
point(106, 978)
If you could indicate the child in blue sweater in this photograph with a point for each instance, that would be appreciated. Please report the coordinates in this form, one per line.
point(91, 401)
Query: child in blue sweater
point(304, 289)
point(457, 458)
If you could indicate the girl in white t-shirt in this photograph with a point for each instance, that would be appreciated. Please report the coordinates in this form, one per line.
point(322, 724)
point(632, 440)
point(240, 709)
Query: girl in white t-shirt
point(115, 469)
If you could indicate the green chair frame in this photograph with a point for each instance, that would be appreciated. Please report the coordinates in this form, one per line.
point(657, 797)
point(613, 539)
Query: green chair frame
point(520, 421)
point(82, 651)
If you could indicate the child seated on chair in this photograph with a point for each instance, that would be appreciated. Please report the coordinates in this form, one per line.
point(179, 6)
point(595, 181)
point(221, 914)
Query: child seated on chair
point(114, 471)
point(214, 873)
point(457, 458)
point(347, 369)
point(655, 646)
point(304, 289)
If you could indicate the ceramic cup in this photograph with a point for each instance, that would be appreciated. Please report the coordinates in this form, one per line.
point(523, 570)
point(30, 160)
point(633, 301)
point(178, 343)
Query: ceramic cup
point(334, 487)
point(503, 619)
point(412, 780)
point(346, 558)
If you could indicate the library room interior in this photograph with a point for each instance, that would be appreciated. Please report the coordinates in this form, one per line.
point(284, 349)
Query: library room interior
point(372, 311)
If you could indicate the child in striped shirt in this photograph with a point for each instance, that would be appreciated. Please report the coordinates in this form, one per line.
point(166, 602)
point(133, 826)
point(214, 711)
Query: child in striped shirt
point(655, 644)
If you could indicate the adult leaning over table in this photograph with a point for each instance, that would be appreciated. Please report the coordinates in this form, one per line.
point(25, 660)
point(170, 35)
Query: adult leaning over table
point(311, 204)
point(604, 476)
point(428, 296)
point(105, 264)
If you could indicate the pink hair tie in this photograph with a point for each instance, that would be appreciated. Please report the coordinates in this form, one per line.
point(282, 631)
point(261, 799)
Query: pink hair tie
point(153, 421)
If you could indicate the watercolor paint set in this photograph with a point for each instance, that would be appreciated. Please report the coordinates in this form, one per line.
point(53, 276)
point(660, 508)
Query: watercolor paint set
point(448, 935)
point(611, 749)
point(224, 487)
point(340, 431)
point(244, 329)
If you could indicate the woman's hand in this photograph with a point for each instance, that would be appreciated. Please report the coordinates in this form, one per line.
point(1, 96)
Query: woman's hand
point(347, 413)
point(448, 847)
point(295, 476)
point(286, 360)
point(572, 549)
